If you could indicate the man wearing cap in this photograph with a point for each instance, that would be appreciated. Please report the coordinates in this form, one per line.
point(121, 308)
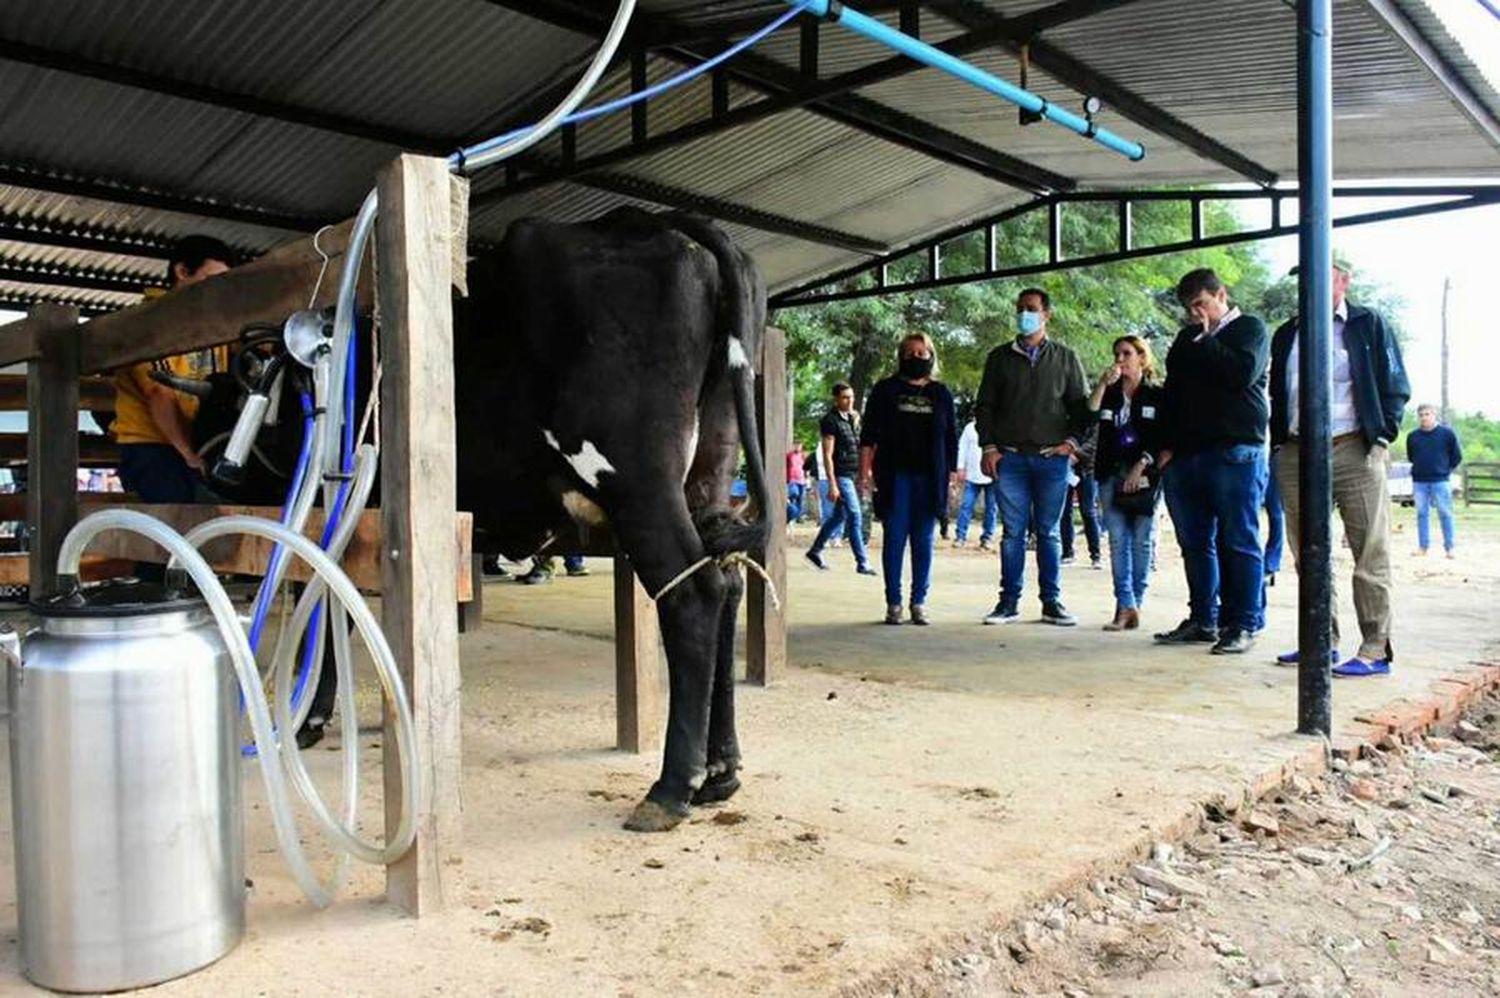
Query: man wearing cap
point(1370, 392)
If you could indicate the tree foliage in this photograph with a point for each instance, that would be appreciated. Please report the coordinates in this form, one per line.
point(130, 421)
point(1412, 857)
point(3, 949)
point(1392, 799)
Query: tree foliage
point(855, 341)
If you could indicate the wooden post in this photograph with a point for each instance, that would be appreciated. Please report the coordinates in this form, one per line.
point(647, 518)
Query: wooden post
point(418, 504)
point(471, 612)
point(765, 640)
point(639, 694)
point(51, 440)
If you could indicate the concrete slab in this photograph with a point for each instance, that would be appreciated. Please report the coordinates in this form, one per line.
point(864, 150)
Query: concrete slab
point(903, 786)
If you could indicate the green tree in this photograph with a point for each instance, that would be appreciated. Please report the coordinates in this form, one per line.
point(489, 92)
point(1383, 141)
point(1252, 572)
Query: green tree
point(855, 341)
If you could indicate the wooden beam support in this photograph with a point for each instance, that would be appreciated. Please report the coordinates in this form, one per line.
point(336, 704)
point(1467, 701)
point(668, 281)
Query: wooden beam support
point(765, 639)
point(93, 393)
point(252, 555)
point(214, 311)
point(414, 240)
point(52, 440)
point(640, 693)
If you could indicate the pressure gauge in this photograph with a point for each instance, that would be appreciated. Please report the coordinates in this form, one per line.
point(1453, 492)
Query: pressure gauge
point(1092, 105)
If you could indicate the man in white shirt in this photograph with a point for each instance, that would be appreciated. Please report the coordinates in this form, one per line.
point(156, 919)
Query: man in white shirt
point(975, 482)
point(1369, 396)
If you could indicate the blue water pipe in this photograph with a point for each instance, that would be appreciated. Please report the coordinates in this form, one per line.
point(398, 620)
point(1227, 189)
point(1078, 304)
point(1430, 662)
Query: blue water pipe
point(460, 160)
point(878, 31)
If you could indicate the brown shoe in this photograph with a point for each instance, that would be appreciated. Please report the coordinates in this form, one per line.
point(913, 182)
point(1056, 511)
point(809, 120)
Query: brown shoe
point(1125, 620)
point(1133, 620)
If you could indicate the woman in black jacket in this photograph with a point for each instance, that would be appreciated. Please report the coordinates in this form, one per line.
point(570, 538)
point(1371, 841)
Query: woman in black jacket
point(909, 447)
point(1127, 399)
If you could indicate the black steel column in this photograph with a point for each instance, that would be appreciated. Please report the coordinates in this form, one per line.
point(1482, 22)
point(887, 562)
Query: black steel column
point(1315, 330)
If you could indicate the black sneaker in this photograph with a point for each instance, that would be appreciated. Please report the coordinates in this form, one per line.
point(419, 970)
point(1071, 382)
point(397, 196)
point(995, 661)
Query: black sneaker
point(1004, 613)
point(1186, 633)
point(535, 577)
point(1057, 614)
point(866, 570)
point(817, 560)
point(1233, 641)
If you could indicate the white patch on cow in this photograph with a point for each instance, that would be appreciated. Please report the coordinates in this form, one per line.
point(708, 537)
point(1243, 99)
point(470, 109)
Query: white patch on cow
point(737, 356)
point(583, 510)
point(692, 449)
point(588, 464)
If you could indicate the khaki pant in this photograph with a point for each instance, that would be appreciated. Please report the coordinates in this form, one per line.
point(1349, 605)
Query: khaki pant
point(1361, 496)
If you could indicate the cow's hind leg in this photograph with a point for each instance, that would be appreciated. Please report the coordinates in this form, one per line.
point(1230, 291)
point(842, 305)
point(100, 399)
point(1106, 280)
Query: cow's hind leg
point(723, 742)
point(689, 616)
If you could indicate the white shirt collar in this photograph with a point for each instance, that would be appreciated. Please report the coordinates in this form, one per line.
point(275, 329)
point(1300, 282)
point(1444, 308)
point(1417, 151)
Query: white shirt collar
point(1342, 311)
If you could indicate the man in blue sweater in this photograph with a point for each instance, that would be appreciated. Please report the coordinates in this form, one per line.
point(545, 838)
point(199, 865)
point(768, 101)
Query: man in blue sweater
point(1434, 453)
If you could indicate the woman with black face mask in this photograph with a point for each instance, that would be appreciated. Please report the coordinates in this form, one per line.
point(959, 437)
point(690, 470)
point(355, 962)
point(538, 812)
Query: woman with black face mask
point(909, 452)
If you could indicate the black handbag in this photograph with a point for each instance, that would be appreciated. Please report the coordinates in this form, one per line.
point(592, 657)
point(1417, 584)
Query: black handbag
point(1143, 501)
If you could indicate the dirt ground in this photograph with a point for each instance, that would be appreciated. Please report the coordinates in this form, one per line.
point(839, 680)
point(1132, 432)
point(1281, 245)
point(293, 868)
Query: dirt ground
point(909, 794)
point(1378, 879)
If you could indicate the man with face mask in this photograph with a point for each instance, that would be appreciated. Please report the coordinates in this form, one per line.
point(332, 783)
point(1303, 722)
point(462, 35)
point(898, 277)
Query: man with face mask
point(1031, 414)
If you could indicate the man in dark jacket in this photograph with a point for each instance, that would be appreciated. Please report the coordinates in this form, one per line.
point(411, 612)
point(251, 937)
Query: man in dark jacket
point(1032, 414)
point(1214, 463)
point(1370, 391)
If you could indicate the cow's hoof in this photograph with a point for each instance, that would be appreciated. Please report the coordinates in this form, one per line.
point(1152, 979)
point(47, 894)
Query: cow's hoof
point(650, 816)
point(716, 789)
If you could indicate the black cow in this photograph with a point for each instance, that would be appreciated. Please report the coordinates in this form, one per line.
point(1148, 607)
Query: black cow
point(604, 381)
point(603, 384)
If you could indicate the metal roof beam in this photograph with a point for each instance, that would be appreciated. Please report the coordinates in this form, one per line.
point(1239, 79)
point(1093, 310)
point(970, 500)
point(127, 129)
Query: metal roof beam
point(817, 290)
point(72, 277)
point(672, 197)
point(77, 65)
point(1442, 71)
point(60, 181)
point(35, 232)
point(1075, 74)
point(874, 118)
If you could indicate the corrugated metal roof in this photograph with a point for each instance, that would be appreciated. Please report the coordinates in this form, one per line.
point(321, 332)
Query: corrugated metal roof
point(458, 67)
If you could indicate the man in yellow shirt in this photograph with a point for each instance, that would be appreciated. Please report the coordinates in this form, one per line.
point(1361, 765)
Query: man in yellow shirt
point(153, 424)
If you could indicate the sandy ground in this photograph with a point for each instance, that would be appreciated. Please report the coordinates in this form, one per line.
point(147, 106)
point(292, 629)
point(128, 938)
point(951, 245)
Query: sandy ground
point(1376, 880)
point(903, 787)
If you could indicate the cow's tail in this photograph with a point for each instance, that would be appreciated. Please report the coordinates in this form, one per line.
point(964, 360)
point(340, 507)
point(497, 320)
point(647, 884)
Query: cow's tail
point(741, 322)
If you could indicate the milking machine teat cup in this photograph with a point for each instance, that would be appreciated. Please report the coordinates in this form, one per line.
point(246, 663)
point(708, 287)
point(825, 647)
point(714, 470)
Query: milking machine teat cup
point(126, 701)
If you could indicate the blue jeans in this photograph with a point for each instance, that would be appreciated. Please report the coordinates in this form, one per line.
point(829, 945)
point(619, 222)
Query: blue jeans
point(826, 511)
point(157, 473)
point(1088, 508)
point(1428, 495)
point(1131, 539)
point(1214, 497)
point(846, 515)
point(794, 492)
point(966, 511)
point(1275, 524)
point(1032, 490)
point(912, 519)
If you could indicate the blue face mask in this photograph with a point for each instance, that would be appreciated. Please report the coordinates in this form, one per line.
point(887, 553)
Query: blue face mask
point(1029, 323)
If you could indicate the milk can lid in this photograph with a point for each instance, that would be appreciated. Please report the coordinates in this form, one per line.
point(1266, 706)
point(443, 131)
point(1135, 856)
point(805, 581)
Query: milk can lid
point(118, 599)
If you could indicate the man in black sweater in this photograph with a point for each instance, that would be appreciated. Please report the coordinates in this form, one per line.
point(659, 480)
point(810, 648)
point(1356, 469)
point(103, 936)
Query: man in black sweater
point(1214, 463)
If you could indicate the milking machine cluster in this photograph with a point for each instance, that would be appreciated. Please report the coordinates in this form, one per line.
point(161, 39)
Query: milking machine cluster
point(126, 699)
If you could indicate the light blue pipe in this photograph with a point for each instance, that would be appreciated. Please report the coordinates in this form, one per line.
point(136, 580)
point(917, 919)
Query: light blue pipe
point(969, 73)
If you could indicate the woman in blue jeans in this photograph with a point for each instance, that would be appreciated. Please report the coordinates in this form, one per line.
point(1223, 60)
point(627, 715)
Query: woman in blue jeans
point(1127, 400)
point(909, 448)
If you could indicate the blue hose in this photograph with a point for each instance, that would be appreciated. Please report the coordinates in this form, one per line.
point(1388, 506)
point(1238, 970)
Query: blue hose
point(457, 160)
point(264, 596)
point(938, 59)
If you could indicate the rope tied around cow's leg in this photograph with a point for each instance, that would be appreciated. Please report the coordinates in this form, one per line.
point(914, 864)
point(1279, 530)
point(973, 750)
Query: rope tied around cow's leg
point(731, 560)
